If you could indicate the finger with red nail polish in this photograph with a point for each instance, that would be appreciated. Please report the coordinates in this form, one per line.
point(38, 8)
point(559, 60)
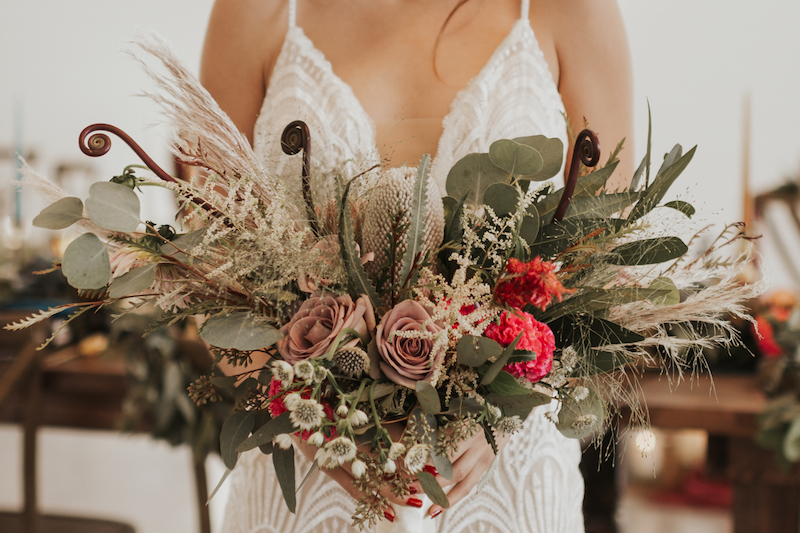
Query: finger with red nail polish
point(431, 470)
point(414, 502)
point(436, 511)
point(389, 514)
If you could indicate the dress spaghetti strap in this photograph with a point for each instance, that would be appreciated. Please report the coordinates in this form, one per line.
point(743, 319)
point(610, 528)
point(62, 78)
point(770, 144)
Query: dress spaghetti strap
point(524, 9)
point(293, 12)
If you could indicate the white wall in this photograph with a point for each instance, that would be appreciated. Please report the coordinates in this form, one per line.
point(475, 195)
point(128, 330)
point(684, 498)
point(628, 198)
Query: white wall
point(694, 60)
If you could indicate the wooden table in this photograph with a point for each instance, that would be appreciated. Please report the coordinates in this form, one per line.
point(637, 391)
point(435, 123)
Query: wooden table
point(765, 499)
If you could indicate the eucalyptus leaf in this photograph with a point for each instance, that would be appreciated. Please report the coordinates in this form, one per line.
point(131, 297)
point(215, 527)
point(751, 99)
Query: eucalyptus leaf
point(428, 398)
point(591, 330)
point(450, 205)
point(555, 238)
point(519, 404)
point(113, 206)
point(61, 214)
point(240, 331)
point(133, 281)
point(673, 295)
point(357, 280)
point(502, 198)
point(529, 228)
point(471, 175)
point(515, 158)
point(498, 365)
point(593, 182)
point(381, 390)
point(656, 191)
point(85, 263)
point(455, 229)
point(416, 226)
point(313, 468)
point(180, 247)
point(593, 300)
point(442, 465)
point(551, 151)
point(670, 158)
point(684, 207)
point(265, 434)
point(474, 351)
point(647, 251)
point(506, 385)
point(432, 489)
point(580, 419)
point(600, 206)
point(605, 361)
point(219, 484)
point(283, 461)
point(235, 430)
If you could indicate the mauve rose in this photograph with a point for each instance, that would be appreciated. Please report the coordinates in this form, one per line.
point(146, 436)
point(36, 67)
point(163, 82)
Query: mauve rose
point(319, 320)
point(406, 360)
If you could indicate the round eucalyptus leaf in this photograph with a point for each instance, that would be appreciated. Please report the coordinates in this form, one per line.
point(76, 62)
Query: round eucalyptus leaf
point(671, 297)
point(502, 198)
point(428, 398)
point(552, 152)
point(515, 158)
point(474, 351)
point(529, 229)
point(61, 214)
point(471, 175)
point(580, 419)
point(133, 281)
point(85, 263)
point(113, 206)
point(240, 331)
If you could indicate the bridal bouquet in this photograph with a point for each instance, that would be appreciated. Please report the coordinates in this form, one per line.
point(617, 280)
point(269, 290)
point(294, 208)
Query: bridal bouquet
point(399, 323)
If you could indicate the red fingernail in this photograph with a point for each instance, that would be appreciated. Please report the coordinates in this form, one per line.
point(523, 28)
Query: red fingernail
point(389, 516)
point(412, 489)
point(430, 469)
point(436, 513)
point(414, 502)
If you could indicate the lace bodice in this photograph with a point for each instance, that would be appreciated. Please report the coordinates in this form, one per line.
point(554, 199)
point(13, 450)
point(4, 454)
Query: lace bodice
point(537, 487)
point(513, 95)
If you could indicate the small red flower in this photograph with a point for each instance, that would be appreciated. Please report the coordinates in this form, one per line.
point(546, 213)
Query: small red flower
point(536, 338)
point(534, 282)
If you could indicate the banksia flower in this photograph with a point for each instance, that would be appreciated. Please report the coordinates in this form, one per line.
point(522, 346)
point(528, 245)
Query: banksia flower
point(390, 202)
point(351, 361)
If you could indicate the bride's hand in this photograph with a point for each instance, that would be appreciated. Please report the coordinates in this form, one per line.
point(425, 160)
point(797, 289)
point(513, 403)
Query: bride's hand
point(470, 463)
point(344, 477)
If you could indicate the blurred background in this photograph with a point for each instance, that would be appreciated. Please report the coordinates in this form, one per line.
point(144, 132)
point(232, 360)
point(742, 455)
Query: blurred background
point(723, 77)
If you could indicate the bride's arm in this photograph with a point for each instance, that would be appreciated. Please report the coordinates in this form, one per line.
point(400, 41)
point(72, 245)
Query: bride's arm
point(242, 41)
point(595, 79)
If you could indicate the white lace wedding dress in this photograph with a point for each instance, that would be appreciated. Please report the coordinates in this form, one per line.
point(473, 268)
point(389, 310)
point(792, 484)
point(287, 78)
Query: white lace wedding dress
point(537, 487)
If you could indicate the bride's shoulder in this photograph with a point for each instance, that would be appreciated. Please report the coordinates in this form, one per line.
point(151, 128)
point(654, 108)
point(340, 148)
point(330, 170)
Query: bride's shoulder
point(242, 41)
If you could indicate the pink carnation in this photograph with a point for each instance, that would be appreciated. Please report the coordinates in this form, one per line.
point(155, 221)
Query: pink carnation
point(537, 338)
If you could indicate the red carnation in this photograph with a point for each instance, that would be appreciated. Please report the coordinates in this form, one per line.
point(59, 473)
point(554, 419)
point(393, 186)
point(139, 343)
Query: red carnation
point(533, 283)
point(537, 338)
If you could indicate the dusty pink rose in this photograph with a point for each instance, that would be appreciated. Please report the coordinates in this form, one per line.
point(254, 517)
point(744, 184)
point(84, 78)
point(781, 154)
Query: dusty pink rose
point(319, 320)
point(407, 360)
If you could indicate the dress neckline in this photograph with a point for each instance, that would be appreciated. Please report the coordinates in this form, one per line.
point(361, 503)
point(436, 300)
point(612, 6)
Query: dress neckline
point(502, 50)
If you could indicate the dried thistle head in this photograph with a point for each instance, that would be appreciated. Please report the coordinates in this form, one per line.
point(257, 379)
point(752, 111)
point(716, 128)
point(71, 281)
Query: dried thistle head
point(351, 361)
